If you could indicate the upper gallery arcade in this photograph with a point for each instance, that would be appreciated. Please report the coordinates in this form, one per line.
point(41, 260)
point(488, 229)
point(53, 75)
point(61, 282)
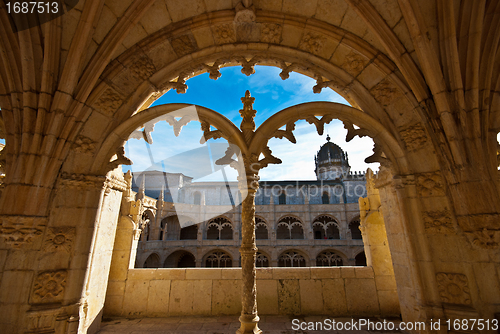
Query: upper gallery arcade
point(422, 77)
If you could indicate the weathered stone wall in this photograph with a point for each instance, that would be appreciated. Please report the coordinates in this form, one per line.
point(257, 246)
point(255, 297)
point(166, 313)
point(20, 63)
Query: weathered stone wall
point(343, 291)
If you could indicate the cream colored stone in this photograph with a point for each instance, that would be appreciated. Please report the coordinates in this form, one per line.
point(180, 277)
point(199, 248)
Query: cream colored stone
point(267, 296)
point(346, 272)
point(200, 273)
point(361, 295)
point(158, 298)
point(295, 273)
point(226, 297)
point(328, 272)
point(334, 297)
point(311, 297)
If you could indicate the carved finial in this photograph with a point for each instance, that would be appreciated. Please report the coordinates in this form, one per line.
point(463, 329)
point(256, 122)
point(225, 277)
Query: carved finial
point(327, 138)
point(162, 197)
point(247, 113)
point(141, 194)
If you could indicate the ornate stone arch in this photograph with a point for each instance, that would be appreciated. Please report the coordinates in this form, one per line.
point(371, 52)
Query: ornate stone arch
point(220, 228)
point(217, 258)
point(290, 227)
point(325, 226)
point(293, 258)
point(261, 228)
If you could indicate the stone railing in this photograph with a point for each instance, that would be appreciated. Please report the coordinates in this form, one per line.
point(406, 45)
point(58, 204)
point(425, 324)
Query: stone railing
point(339, 291)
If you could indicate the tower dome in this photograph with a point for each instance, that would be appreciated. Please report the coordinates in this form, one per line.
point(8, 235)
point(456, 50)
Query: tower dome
point(331, 162)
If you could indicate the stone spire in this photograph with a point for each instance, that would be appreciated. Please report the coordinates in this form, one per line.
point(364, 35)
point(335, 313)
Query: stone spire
point(248, 113)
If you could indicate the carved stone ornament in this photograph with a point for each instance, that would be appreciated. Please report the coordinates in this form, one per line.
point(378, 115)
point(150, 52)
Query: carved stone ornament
point(354, 63)
point(224, 33)
point(385, 92)
point(485, 238)
point(43, 321)
point(183, 45)
point(414, 137)
point(59, 238)
point(430, 184)
point(84, 145)
point(80, 181)
point(312, 42)
point(49, 287)
point(20, 230)
point(271, 33)
point(108, 102)
point(453, 288)
point(438, 222)
point(142, 68)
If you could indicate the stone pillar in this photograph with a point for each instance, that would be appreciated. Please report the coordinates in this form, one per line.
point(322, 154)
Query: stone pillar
point(249, 318)
point(377, 251)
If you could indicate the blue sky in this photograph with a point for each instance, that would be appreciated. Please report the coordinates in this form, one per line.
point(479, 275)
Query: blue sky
point(272, 94)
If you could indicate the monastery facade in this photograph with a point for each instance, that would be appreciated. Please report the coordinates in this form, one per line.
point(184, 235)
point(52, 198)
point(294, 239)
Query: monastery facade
point(298, 223)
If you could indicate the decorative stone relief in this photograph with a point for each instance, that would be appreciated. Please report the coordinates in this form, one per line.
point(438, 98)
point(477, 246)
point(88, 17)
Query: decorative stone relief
point(438, 222)
point(378, 156)
point(208, 133)
point(42, 321)
point(84, 145)
point(80, 181)
point(385, 92)
point(59, 238)
point(119, 159)
point(430, 184)
point(453, 288)
point(414, 137)
point(319, 123)
point(108, 102)
point(485, 238)
point(312, 42)
point(271, 33)
point(184, 45)
point(224, 33)
point(354, 63)
point(49, 287)
point(20, 230)
point(287, 133)
point(143, 68)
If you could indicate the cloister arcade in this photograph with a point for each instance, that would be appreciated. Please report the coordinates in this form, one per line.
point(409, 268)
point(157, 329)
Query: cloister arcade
point(422, 78)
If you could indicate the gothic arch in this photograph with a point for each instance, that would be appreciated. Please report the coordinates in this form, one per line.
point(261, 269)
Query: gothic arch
point(325, 226)
point(290, 227)
point(218, 258)
point(261, 228)
point(293, 258)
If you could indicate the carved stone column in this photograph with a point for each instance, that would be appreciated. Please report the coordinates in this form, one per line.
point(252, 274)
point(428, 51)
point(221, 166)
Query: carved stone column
point(249, 318)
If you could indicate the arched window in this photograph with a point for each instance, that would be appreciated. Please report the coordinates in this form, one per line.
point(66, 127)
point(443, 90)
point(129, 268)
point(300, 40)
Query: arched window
point(180, 259)
point(261, 232)
point(354, 228)
point(153, 261)
point(282, 198)
point(146, 228)
point(291, 259)
point(290, 228)
point(197, 198)
point(189, 232)
point(173, 228)
point(218, 259)
point(325, 199)
point(325, 227)
point(361, 259)
point(261, 260)
point(219, 229)
point(329, 259)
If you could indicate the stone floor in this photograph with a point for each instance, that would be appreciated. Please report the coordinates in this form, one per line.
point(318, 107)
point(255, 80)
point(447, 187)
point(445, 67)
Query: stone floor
point(225, 325)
